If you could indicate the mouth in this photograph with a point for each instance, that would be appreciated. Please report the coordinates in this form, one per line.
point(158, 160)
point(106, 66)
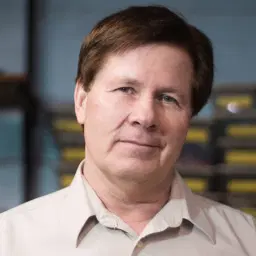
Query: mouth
point(142, 144)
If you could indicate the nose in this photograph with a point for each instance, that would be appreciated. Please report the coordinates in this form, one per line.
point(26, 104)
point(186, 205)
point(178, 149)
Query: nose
point(144, 114)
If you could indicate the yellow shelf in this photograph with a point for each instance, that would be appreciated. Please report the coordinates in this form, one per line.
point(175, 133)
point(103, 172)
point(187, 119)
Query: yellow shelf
point(67, 125)
point(197, 135)
point(66, 179)
point(240, 157)
point(240, 130)
point(197, 184)
point(249, 210)
point(73, 154)
point(244, 101)
point(242, 185)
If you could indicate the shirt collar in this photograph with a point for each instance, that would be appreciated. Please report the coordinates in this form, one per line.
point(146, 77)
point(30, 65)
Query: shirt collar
point(183, 204)
point(194, 210)
point(77, 207)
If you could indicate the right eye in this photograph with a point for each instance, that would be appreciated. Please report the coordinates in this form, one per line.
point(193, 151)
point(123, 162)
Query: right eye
point(128, 90)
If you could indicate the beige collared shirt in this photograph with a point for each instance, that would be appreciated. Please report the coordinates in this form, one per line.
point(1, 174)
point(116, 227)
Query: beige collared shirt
point(74, 222)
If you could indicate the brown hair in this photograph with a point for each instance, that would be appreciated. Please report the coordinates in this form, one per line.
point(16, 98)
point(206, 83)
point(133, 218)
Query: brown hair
point(141, 25)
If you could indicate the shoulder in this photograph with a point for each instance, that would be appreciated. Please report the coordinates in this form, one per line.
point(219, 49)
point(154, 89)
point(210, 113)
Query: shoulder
point(225, 217)
point(30, 221)
point(38, 206)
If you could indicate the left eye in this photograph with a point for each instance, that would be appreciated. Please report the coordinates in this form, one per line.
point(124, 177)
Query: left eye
point(167, 98)
point(128, 90)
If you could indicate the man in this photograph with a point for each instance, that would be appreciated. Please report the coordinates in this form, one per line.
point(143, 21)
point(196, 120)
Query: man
point(143, 73)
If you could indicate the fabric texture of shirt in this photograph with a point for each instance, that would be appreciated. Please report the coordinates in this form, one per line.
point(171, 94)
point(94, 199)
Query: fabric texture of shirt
point(74, 222)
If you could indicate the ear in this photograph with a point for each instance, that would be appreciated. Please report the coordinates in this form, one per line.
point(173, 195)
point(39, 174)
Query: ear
point(80, 98)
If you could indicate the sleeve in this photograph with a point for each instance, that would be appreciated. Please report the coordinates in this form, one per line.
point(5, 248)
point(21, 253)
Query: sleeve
point(1, 235)
point(254, 221)
point(2, 232)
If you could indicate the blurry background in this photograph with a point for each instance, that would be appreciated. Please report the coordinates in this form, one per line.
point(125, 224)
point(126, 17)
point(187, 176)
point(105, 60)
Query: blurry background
point(40, 142)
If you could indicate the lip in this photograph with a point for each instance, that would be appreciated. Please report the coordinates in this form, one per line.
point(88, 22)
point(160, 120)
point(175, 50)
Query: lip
point(140, 143)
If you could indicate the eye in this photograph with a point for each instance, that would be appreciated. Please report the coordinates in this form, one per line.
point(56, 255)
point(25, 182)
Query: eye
point(128, 90)
point(167, 99)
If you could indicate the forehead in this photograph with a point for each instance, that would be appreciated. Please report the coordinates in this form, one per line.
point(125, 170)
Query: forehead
point(163, 60)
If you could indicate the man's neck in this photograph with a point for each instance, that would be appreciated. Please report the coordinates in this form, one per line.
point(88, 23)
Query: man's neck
point(136, 204)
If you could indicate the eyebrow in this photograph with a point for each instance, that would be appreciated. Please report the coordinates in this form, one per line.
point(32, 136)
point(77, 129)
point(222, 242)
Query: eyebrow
point(131, 81)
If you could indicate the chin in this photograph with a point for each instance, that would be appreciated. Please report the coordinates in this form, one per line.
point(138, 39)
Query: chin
point(134, 168)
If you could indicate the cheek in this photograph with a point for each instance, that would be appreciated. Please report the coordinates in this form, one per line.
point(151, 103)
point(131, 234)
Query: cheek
point(176, 128)
point(106, 114)
point(181, 127)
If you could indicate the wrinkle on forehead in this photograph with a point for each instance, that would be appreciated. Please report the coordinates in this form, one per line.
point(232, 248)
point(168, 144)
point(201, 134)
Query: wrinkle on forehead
point(163, 63)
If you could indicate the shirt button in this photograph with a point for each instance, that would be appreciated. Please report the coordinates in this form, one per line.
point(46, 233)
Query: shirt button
point(140, 244)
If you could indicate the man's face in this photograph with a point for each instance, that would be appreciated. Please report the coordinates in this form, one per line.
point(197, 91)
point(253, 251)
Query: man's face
point(137, 114)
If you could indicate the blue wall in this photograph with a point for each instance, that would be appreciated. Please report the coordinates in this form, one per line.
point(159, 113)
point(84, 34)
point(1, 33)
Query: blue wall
point(12, 35)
